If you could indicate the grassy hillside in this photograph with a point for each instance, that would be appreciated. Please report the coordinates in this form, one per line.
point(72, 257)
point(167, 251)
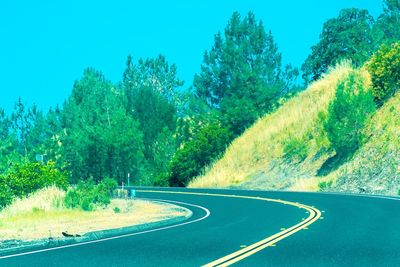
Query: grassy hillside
point(288, 148)
point(375, 168)
point(281, 147)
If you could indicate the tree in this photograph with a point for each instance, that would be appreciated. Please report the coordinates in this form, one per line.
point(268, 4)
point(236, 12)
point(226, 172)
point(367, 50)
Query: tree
point(101, 139)
point(387, 27)
point(347, 114)
point(190, 160)
point(28, 177)
point(151, 90)
point(54, 131)
point(346, 37)
point(243, 68)
point(39, 133)
point(384, 67)
point(8, 143)
point(21, 123)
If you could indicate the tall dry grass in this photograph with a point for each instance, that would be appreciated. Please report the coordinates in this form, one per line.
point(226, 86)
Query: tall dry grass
point(43, 215)
point(46, 199)
point(260, 145)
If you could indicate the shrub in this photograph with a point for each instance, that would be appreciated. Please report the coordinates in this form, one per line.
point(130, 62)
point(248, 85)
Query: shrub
point(117, 210)
point(25, 178)
point(162, 179)
point(6, 196)
point(384, 67)
point(324, 185)
point(347, 114)
point(87, 196)
point(296, 148)
point(206, 146)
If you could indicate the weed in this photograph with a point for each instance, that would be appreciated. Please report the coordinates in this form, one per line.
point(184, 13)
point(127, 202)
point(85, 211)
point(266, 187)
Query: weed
point(324, 185)
point(117, 210)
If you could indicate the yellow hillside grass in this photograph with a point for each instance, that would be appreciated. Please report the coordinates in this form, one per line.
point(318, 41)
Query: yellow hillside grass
point(258, 149)
point(376, 164)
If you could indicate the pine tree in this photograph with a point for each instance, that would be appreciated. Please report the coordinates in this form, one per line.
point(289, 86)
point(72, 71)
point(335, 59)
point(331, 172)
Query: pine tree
point(101, 139)
point(241, 76)
point(151, 90)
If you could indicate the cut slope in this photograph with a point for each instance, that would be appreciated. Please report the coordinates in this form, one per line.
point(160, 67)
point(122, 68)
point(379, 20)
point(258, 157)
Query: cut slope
point(375, 168)
point(282, 147)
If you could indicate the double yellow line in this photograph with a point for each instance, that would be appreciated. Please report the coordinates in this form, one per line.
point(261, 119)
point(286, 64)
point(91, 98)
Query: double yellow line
point(314, 214)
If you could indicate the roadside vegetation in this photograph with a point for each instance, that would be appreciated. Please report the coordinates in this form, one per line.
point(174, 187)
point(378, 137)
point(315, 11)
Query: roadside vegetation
point(45, 214)
point(245, 119)
point(348, 140)
point(293, 135)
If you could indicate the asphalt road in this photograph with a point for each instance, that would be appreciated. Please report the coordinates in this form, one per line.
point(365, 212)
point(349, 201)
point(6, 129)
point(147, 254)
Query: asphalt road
point(349, 231)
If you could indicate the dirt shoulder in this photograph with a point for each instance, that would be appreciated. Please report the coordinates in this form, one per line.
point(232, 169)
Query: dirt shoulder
point(49, 225)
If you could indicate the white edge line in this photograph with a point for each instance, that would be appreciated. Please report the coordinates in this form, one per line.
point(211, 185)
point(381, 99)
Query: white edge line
point(120, 236)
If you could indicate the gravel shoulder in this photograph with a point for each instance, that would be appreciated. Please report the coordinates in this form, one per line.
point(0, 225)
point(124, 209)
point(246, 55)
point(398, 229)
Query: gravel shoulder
point(122, 216)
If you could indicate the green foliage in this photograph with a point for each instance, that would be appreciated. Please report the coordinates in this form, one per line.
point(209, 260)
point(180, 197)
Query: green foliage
point(241, 76)
point(346, 37)
point(8, 143)
point(87, 196)
point(387, 27)
point(100, 138)
point(296, 148)
point(162, 179)
point(6, 195)
point(348, 113)
point(150, 87)
point(384, 68)
point(117, 210)
point(190, 160)
point(25, 178)
point(324, 185)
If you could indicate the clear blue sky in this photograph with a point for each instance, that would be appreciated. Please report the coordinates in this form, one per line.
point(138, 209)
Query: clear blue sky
point(46, 44)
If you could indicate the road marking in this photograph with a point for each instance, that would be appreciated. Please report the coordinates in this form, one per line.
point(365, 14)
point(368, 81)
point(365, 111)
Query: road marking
point(314, 215)
point(119, 236)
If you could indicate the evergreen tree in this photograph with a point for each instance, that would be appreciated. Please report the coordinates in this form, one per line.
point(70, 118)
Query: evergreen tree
point(21, 123)
point(8, 143)
point(151, 90)
point(101, 139)
point(241, 76)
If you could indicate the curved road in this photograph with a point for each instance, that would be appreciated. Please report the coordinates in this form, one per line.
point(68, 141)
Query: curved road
point(249, 228)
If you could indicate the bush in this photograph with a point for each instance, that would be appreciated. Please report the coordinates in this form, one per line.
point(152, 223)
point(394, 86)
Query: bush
point(117, 210)
point(384, 68)
point(87, 196)
point(6, 196)
point(25, 178)
point(188, 162)
point(296, 148)
point(324, 185)
point(162, 179)
point(347, 114)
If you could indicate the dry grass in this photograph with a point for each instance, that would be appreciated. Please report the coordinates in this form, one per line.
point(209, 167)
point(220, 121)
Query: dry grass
point(262, 145)
point(376, 165)
point(43, 215)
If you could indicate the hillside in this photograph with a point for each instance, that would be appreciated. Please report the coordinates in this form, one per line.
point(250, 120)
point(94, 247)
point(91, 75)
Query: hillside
point(288, 148)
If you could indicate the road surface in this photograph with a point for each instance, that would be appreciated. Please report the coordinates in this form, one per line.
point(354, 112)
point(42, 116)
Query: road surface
point(248, 228)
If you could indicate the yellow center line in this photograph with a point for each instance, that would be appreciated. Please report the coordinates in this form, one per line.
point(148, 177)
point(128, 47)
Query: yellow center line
point(314, 214)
